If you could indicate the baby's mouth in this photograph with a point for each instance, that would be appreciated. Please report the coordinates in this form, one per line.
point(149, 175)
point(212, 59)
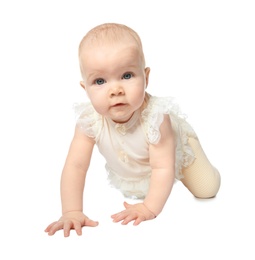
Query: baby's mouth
point(119, 105)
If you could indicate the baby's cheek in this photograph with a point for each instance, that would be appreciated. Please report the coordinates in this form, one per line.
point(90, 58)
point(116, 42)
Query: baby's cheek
point(100, 106)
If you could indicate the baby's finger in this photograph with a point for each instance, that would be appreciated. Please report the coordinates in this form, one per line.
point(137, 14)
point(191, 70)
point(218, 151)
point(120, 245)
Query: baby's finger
point(54, 228)
point(91, 223)
point(120, 216)
point(127, 205)
point(77, 227)
point(139, 220)
point(128, 219)
point(50, 226)
point(117, 214)
point(114, 215)
point(67, 228)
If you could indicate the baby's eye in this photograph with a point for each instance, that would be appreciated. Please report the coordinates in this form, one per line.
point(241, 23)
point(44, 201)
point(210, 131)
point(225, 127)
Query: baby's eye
point(99, 81)
point(127, 75)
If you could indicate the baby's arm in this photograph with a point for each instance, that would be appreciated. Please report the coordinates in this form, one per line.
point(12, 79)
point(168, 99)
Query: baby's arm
point(162, 161)
point(72, 186)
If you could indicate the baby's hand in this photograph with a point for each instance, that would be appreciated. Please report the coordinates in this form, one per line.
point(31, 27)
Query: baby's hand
point(70, 220)
point(137, 212)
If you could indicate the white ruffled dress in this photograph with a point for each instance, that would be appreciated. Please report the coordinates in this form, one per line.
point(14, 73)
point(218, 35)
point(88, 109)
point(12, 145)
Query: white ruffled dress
point(125, 146)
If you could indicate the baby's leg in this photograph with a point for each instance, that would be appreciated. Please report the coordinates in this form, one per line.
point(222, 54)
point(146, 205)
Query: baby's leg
point(201, 178)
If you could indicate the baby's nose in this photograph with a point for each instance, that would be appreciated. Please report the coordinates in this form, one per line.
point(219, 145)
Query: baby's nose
point(116, 91)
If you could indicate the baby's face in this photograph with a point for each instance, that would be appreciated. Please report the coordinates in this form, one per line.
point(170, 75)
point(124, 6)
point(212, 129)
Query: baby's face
point(115, 79)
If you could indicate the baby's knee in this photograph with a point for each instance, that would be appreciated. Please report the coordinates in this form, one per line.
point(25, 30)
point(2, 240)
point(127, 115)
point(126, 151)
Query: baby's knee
point(201, 177)
point(207, 187)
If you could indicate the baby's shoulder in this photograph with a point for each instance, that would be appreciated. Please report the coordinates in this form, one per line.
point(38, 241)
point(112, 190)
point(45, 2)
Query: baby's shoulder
point(153, 115)
point(163, 105)
point(87, 119)
point(83, 109)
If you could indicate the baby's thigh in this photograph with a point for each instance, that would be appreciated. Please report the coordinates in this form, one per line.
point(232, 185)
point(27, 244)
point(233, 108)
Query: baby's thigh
point(201, 177)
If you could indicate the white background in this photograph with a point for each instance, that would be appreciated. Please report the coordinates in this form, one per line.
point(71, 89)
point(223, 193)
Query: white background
point(201, 52)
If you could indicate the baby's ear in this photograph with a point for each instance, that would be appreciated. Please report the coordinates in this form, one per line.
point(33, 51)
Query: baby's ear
point(83, 85)
point(147, 74)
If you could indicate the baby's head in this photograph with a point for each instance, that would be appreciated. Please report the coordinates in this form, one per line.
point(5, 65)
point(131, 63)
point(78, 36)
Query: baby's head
point(110, 34)
point(113, 70)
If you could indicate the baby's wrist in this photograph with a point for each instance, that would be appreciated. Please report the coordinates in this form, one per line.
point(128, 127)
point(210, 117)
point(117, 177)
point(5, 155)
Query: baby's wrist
point(71, 211)
point(153, 215)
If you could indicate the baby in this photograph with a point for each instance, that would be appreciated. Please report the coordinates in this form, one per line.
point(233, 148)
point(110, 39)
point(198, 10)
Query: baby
point(145, 140)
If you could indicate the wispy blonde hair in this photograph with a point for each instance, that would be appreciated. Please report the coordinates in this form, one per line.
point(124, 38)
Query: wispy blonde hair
point(110, 33)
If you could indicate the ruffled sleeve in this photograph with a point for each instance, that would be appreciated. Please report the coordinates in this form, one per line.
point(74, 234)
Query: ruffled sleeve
point(152, 118)
point(87, 119)
point(153, 115)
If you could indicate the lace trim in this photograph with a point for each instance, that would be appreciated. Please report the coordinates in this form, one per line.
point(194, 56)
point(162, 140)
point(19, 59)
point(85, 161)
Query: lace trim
point(135, 188)
point(153, 116)
point(87, 119)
